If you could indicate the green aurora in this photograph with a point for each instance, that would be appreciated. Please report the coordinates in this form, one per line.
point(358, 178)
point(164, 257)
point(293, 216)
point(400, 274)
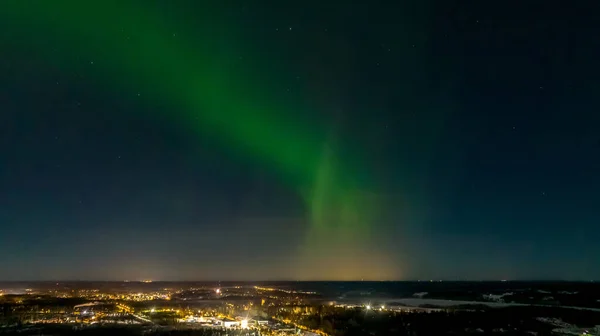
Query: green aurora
point(136, 46)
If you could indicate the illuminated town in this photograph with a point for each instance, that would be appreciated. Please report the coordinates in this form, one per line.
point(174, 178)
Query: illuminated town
point(253, 309)
point(133, 307)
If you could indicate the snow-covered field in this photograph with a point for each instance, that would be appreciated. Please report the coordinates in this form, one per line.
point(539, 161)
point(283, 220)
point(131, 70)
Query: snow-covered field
point(418, 302)
point(564, 328)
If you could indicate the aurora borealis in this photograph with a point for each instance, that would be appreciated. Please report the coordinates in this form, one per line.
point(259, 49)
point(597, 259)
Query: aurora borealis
point(367, 151)
point(214, 98)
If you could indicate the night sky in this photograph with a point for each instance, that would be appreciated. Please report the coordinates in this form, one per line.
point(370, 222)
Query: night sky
point(224, 140)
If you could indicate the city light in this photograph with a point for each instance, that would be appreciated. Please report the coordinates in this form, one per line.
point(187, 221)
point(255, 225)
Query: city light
point(281, 314)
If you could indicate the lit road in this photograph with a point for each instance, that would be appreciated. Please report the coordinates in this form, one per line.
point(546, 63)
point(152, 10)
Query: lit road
point(301, 327)
point(131, 311)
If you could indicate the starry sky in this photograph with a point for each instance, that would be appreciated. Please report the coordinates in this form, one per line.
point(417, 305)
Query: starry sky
point(300, 140)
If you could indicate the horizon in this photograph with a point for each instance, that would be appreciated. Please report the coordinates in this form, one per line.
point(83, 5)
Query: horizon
point(303, 281)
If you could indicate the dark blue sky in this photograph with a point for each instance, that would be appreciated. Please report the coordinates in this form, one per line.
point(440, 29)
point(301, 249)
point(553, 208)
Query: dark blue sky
point(479, 121)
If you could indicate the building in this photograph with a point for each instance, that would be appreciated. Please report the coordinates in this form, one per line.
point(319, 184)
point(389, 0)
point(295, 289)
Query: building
point(228, 323)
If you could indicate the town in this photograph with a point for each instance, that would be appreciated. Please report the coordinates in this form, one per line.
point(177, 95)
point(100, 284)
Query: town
point(159, 308)
point(258, 310)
